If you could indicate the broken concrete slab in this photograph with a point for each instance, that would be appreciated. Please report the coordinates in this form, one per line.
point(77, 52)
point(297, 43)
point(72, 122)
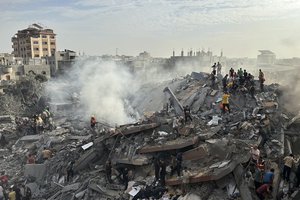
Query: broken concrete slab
point(209, 134)
point(238, 173)
point(206, 174)
point(169, 145)
point(134, 129)
point(196, 153)
point(201, 99)
point(38, 171)
point(174, 101)
point(72, 187)
point(199, 76)
point(30, 138)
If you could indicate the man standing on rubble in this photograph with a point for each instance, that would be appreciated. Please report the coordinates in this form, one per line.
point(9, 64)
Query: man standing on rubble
point(255, 154)
point(269, 177)
point(93, 122)
point(214, 68)
point(224, 82)
point(162, 174)
point(288, 163)
point(187, 113)
point(225, 102)
point(261, 78)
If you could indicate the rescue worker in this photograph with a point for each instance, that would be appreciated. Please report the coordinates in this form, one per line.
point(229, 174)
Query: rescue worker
point(288, 163)
point(225, 102)
point(187, 113)
point(11, 194)
point(93, 122)
point(261, 78)
point(39, 124)
point(269, 177)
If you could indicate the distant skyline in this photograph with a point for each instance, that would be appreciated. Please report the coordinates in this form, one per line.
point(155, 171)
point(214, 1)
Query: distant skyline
point(239, 27)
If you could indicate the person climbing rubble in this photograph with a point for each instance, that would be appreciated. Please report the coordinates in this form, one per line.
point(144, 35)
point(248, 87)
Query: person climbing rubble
point(255, 154)
point(11, 194)
point(219, 68)
point(263, 191)
point(93, 122)
point(261, 78)
point(269, 177)
point(288, 164)
point(225, 102)
point(187, 113)
point(258, 177)
point(39, 124)
point(46, 153)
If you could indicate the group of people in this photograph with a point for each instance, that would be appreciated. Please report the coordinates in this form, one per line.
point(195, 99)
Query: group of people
point(240, 79)
point(37, 124)
point(263, 177)
point(15, 192)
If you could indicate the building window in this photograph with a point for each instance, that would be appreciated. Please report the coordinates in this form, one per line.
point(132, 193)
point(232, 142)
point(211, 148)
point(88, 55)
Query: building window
point(53, 50)
point(36, 55)
point(52, 43)
point(44, 36)
point(36, 49)
point(35, 42)
point(52, 37)
point(45, 42)
point(45, 49)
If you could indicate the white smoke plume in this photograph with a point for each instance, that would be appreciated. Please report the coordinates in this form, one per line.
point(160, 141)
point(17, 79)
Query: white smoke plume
point(102, 88)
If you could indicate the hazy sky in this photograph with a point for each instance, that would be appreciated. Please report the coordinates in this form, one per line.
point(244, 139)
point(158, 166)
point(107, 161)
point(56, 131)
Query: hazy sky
point(239, 27)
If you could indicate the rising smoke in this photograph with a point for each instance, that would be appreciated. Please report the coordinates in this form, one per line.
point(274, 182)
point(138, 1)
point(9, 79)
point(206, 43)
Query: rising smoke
point(102, 88)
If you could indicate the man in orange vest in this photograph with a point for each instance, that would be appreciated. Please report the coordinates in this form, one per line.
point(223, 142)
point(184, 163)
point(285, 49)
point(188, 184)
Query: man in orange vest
point(225, 102)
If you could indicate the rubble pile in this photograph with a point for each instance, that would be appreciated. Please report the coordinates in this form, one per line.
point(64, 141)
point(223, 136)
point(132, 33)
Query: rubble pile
point(214, 146)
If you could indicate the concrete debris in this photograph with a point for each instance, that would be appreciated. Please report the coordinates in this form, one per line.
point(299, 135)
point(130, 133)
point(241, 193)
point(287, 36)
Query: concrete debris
point(206, 156)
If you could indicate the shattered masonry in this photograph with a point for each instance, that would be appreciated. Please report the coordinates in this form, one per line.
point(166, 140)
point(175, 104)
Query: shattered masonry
point(215, 146)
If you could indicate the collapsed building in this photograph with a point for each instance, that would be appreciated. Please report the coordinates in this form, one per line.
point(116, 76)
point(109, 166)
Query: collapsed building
point(215, 147)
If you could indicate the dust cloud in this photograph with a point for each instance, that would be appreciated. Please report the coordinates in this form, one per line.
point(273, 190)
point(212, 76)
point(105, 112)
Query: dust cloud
point(102, 88)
